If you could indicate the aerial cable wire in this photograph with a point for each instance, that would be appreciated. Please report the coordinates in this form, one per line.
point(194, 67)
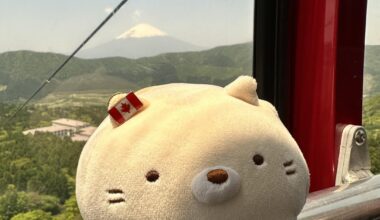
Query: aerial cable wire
point(60, 67)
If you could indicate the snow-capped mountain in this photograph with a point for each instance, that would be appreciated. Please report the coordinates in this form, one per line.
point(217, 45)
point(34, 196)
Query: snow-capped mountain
point(142, 40)
point(142, 30)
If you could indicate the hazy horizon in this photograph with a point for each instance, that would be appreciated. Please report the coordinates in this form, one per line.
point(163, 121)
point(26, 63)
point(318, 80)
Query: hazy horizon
point(60, 26)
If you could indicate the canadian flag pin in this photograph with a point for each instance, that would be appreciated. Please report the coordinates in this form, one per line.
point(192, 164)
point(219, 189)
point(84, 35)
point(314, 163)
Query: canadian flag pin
point(125, 108)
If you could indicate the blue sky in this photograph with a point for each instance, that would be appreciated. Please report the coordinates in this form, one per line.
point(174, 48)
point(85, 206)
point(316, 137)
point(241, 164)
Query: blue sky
point(60, 25)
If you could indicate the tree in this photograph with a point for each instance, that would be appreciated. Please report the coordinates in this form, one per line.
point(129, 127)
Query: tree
point(71, 210)
point(12, 202)
point(164, 73)
point(45, 203)
point(33, 215)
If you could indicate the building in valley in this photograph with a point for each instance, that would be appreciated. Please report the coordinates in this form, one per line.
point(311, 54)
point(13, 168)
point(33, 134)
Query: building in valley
point(63, 127)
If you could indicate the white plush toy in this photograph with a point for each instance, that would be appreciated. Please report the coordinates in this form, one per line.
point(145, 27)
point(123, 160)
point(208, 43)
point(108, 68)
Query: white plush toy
point(193, 152)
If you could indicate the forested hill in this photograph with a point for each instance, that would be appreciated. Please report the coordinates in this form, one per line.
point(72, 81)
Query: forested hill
point(372, 70)
point(37, 173)
point(21, 72)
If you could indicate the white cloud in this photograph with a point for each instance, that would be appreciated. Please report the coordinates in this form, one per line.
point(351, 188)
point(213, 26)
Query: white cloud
point(108, 10)
point(136, 15)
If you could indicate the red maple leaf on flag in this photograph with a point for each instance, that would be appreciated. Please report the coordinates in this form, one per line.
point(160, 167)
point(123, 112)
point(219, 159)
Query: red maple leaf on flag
point(125, 107)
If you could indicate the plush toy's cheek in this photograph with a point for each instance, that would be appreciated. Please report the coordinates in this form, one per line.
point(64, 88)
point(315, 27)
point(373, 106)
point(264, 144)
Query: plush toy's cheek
point(215, 184)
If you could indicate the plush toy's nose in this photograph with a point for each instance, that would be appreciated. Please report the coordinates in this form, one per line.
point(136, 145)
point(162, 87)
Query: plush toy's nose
point(217, 176)
point(215, 184)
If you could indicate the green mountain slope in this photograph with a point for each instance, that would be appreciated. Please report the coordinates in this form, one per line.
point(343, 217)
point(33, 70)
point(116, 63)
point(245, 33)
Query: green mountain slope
point(372, 70)
point(371, 122)
point(371, 114)
point(21, 72)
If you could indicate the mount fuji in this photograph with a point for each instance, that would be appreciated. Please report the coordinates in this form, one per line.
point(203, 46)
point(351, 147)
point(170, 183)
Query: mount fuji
point(142, 40)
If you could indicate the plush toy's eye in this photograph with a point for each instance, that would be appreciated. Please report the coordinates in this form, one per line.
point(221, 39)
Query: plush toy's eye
point(152, 176)
point(258, 159)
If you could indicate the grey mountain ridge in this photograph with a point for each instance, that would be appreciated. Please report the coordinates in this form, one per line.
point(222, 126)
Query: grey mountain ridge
point(138, 47)
point(21, 72)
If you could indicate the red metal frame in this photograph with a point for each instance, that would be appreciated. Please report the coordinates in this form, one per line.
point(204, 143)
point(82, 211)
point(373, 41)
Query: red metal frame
point(328, 48)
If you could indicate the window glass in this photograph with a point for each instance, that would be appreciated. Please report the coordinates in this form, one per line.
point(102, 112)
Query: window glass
point(371, 103)
point(148, 42)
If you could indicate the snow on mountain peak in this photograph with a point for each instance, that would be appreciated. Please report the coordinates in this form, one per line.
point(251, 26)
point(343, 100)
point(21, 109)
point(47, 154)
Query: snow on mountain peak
point(142, 30)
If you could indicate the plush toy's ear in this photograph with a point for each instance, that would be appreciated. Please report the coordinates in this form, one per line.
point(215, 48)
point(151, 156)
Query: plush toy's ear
point(244, 88)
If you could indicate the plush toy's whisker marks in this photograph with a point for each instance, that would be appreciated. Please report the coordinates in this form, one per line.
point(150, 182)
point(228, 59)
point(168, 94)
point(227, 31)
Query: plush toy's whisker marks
point(288, 163)
point(288, 169)
point(117, 194)
point(115, 191)
point(113, 201)
point(290, 172)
